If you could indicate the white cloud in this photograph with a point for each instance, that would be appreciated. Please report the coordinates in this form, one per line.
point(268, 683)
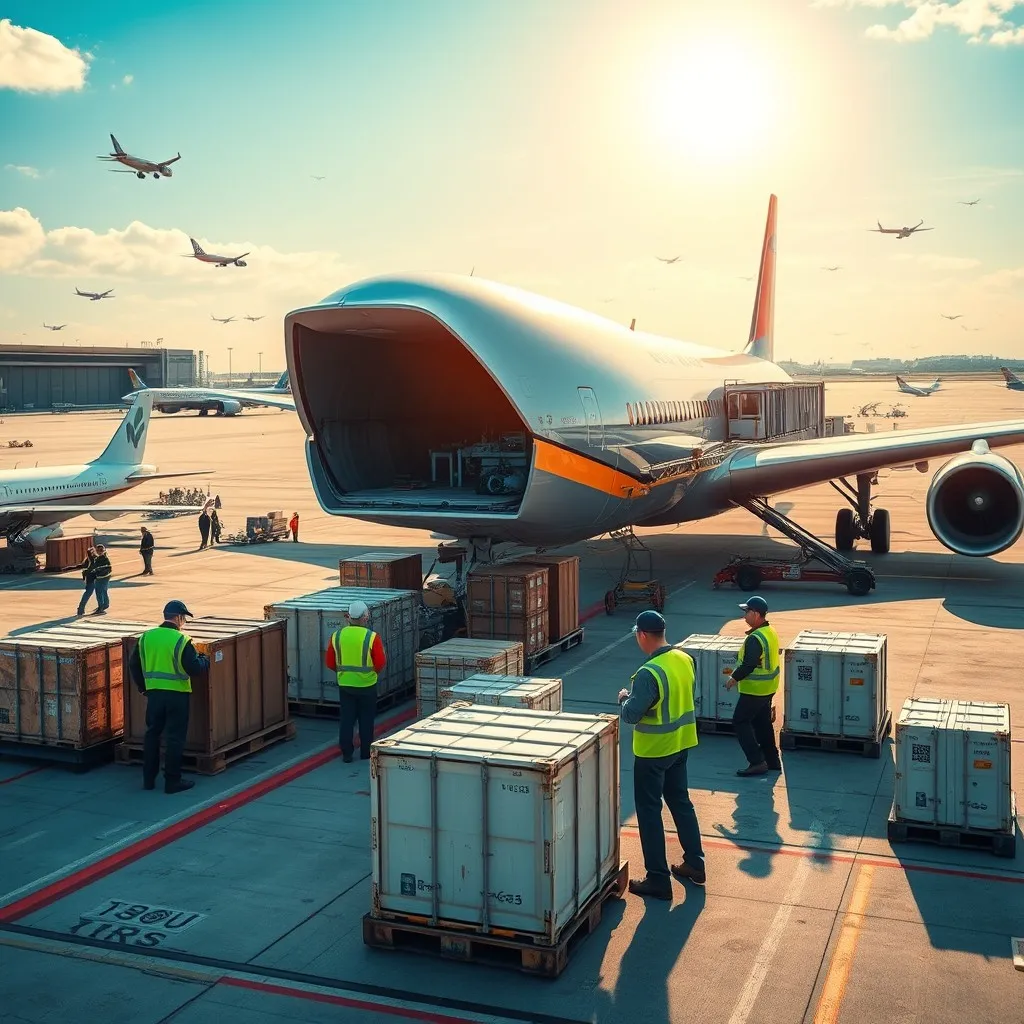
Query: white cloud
point(128, 79)
point(933, 261)
point(982, 21)
point(1009, 277)
point(32, 61)
point(21, 238)
point(29, 172)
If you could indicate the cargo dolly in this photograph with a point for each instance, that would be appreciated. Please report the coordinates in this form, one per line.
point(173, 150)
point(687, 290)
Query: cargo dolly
point(645, 590)
point(750, 573)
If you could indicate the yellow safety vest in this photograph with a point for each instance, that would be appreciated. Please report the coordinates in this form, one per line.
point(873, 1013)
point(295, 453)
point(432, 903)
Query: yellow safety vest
point(352, 647)
point(764, 680)
point(670, 725)
point(160, 651)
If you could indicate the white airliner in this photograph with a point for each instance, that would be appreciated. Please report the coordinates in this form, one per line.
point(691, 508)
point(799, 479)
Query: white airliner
point(95, 296)
point(903, 232)
point(57, 327)
point(579, 426)
point(206, 257)
point(137, 165)
point(222, 319)
point(253, 318)
point(34, 502)
point(921, 391)
point(227, 402)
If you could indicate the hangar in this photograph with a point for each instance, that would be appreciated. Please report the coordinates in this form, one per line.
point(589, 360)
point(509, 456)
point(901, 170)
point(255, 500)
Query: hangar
point(34, 377)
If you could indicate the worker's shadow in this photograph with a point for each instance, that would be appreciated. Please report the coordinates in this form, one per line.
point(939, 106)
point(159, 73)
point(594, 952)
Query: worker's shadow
point(755, 819)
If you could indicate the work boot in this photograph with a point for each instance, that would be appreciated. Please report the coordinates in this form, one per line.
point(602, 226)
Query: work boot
point(178, 786)
point(753, 769)
point(688, 873)
point(651, 887)
point(149, 784)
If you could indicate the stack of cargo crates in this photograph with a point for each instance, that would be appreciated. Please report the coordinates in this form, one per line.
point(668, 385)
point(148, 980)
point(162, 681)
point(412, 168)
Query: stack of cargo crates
point(438, 668)
point(509, 602)
point(382, 570)
point(496, 833)
point(563, 594)
point(532, 693)
point(712, 655)
point(952, 784)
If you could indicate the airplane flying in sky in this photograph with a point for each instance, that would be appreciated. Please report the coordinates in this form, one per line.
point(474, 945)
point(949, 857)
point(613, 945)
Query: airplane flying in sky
point(34, 502)
point(920, 391)
point(221, 401)
point(946, 316)
point(973, 202)
point(831, 268)
point(137, 165)
point(590, 427)
point(1013, 382)
point(205, 257)
point(57, 327)
point(96, 296)
point(665, 259)
point(253, 318)
point(900, 232)
point(222, 319)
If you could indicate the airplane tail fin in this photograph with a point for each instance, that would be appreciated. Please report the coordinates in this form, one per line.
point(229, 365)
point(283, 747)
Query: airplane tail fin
point(196, 248)
point(282, 381)
point(117, 146)
point(136, 380)
point(1009, 376)
point(899, 380)
point(128, 445)
point(761, 342)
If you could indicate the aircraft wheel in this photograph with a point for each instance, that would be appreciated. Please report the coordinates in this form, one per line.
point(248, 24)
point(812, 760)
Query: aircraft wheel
point(846, 533)
point(858, 583)
point(748, 578)
point(879, 531)
point(609, 602)
point(658, 598)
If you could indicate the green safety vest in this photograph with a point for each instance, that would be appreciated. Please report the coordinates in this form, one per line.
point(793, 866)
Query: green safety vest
point(764, 680)
point(352, 646)
point(670, 725)
point(160, 651)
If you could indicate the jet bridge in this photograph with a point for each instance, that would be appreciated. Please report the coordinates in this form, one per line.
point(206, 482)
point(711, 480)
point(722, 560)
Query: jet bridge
point(774, 411)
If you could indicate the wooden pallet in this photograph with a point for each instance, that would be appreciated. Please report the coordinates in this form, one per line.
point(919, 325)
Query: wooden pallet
point(329, 708)
point(869, 747)
point(214, 764)
point(522, 953)
point(1001, 844)
point(543, 656)
point(78, 759)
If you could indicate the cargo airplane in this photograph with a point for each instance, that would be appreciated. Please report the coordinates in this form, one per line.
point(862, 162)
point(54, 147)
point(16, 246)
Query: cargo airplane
point(920, 392)
point(900, 232)
point(206, 257)
point(1013, 382)
point(136, 165)
point(581, 426)
point(229, 402)
point(35, 502)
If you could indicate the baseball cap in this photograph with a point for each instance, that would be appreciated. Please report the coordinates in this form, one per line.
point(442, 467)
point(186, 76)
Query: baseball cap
point(649, 622)
point(356, 610)
point(173, 608)
point(755, 604)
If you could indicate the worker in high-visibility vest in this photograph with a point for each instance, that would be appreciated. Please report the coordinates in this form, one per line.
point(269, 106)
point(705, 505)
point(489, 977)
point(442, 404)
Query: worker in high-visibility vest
point(659, 706)
point(757, 677)
point(356, 654)
point(163, 665)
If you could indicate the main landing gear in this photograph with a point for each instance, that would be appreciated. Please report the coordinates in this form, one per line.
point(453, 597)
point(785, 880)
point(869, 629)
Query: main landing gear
point(859, 520)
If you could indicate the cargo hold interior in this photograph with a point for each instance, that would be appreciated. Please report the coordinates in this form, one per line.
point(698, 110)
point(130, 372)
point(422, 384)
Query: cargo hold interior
point(404, 416)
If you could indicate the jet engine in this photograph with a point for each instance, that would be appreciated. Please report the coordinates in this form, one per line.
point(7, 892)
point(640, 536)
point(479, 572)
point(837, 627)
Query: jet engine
point(229, 407)
point(241, 263)
point(37, 536)
point(165, 171)
point(975, 503)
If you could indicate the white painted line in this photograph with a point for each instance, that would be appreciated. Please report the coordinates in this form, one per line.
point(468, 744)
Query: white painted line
point(1018, 953)
point(765, 955)
point(115, 829)
point(24, 839)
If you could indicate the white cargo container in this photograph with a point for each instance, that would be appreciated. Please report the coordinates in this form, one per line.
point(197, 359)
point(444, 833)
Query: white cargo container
point(441, 666)
point(835, 684)
point(495, 817)
point(953, 764)
point(712, 655)
point(530, 692)
point(312, 618)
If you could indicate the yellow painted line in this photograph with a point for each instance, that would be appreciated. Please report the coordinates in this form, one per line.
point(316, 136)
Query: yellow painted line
point(838, 976)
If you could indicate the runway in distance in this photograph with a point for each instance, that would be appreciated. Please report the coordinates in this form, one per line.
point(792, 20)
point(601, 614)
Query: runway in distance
point(1013, 382)
point(205, 257)
point(583, 426)
point(900, 232)
point(35, 502)
point(222, 402)
point(921, 391)
point(137, 165)
point(95, 296)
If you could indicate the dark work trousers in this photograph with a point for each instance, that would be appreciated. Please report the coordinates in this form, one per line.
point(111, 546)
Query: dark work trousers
point(167, 713)
point(147, 561)
point(754, 730)
point(356, 703)
point(655, 778)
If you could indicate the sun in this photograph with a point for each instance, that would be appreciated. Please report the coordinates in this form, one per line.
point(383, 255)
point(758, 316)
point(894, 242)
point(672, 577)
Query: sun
point(714, 103)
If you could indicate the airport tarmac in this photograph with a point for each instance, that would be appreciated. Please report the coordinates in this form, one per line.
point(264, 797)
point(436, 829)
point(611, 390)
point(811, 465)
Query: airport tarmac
point(808, 915)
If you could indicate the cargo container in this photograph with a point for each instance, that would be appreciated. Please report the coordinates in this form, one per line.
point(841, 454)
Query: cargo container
point(563, 593)
point(774, 411)
point(712, 654)
point(953, 764)
point(65, 685)
point(835, 684)
point(441, 666)
point(495, 818)
point(835, 426)
point(243, 694)
point(313, 618)
point(382, 570)
point(508, 602)
point(63, 553)
point(531, 692)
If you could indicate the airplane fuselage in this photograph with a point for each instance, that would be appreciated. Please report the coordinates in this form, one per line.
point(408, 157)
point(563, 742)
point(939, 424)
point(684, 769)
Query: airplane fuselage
point(172, 400)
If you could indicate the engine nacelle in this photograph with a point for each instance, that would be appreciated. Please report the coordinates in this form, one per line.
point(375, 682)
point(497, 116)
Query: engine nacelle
point(975, 503)
point(37, 536)
point(241, 263)
point(229, 407)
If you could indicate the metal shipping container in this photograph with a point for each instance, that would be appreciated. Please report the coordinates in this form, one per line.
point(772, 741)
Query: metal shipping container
point(312, 618)
point(534, 693)
point(438, 667)
point(953, 764)
point(495, 818)
point(712, 654)
point(835, 684)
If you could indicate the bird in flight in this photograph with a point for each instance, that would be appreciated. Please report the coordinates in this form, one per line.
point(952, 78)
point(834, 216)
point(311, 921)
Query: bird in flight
point(831, 268)
point(318, 177)
point(665, 259)
point(742, 278)
point(948, 317)
point(964, 327)
point(973, 202)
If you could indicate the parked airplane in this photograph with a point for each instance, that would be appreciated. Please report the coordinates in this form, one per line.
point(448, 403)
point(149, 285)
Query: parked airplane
point(95, 296)
point(58, 327)
point(587, 427)
point(222, 320)
point(205, 257)
point(900, 232)
point(921, 392)
point(1013, 382)
point(137, 165)
point(229, 402)
point(253, 318)
point(34, 502)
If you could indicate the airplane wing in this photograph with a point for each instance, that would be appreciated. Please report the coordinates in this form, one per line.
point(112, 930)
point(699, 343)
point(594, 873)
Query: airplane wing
point(163, 476)
point(923, 229)
point(252, 398)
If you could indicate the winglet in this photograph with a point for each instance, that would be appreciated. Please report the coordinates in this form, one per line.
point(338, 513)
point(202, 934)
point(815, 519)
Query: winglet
point(128, 445)
point(761, 342)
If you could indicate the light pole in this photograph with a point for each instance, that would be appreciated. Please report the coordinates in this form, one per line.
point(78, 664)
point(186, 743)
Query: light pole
point(260, 354)
point(229, 365)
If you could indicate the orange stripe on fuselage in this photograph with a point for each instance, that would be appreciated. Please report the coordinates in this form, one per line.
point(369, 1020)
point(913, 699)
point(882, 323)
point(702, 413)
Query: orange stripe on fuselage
point(585, 471)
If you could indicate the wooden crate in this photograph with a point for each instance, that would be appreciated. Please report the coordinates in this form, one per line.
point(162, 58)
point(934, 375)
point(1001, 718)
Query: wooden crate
point(383, 570)
point(63, 553)
point(244, 693)
point(563, 593)
point(64, 685)
point(438, 667)
point(508, 602)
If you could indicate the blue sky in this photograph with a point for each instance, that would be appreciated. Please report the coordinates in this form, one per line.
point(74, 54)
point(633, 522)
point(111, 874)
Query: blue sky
point(555, 146)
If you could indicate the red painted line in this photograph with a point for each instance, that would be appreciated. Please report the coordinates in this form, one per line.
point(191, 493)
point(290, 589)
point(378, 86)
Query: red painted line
point(593, 611)
point(101, 868)
point(21, 775)
point(355, 1004)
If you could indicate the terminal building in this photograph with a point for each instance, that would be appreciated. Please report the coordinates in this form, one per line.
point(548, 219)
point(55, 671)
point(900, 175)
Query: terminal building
point(47, 377)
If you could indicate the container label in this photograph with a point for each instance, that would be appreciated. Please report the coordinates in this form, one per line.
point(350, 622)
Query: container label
point(805, 673)
point(921, 753)
point(982, 765)
point(219, 656)
point(515, 787)
point(920, 799)
point(410, 885)
point(856, 682)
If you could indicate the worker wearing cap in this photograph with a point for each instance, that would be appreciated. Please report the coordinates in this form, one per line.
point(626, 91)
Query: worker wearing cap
point(356, 654)
point(758, 679)
point(163, 665)
point(659, 706)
